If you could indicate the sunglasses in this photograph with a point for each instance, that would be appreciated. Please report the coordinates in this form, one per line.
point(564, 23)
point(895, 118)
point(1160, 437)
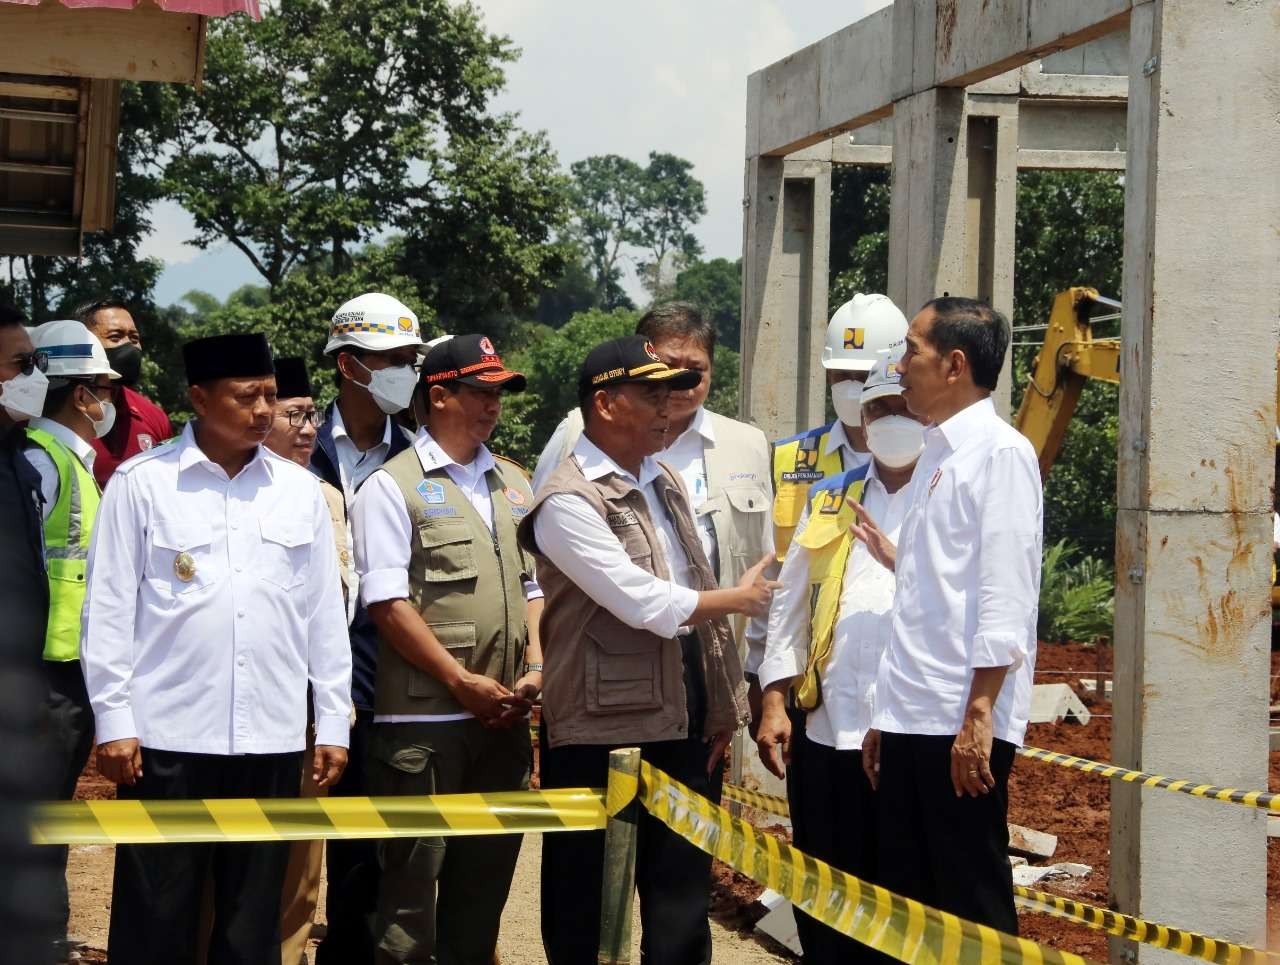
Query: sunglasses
point(28, 362)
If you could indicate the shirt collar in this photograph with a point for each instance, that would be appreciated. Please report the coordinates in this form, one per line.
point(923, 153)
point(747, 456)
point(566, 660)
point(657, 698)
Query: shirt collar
point(596, 463)
point(961, 426)
point(836, 438)
point(190, 454)
point(432, 456)
point(83, 451)
point(340, 429)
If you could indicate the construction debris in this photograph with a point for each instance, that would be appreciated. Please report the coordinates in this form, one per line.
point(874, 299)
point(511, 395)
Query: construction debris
point(1053, 703)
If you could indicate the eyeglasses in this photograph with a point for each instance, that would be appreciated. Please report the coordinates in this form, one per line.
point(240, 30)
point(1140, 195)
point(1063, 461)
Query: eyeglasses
point(30, 361)
point(301, 417)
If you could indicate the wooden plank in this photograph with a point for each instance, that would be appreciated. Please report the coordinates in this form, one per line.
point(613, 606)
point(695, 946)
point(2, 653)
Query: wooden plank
point(29, 87)
point(98, 211)
point(144, 43)
point(33, 167)
point(36, 117)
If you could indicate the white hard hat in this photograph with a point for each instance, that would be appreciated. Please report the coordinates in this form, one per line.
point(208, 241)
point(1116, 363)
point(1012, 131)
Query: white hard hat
point(883, 379)
point(860, 330)
point(73, 350)
point(374, 322)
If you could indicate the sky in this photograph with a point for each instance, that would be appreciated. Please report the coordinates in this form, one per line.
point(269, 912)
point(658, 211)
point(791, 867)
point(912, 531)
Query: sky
point(603, 78)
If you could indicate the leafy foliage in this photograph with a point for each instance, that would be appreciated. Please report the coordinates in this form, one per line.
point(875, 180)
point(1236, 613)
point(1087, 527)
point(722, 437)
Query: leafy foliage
point(859, 232)
point(716, 287)
point(1077, 596)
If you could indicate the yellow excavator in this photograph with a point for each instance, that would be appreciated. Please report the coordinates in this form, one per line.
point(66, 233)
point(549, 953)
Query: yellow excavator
point(1069, 357)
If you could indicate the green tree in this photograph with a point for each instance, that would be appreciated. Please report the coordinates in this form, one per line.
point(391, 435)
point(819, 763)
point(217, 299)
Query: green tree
point(608, 193)
point(859, 232)
point(716, 287)
point(673, 201)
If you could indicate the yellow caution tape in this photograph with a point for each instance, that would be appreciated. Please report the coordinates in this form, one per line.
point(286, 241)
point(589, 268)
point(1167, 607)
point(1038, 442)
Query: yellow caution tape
point(898, 926)
point(289, 819)
point(620, 791)
point(1102, 919)
point(1126, 926)
point(1265, 800)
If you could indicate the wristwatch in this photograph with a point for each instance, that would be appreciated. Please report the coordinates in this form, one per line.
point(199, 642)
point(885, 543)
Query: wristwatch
point(531, 667)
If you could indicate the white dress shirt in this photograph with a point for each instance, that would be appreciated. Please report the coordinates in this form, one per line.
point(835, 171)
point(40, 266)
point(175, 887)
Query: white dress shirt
point(42, 462)
point(383, 535)
point(838, 439)
point(861, 632)
point(968, 579)
point(572, 535)
point(685, 456)
point(217, 662)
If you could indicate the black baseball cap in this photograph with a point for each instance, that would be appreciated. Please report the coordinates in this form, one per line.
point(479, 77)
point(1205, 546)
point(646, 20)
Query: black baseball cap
point(629, 359)
point(471, 360)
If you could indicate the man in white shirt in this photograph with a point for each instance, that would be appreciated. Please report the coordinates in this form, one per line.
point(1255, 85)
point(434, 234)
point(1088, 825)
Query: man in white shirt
point(828, 652)
point(78, 410)
point(954, 689)
point(374, 342)
point(452, 594)
point(640, 651)
point(213, 601)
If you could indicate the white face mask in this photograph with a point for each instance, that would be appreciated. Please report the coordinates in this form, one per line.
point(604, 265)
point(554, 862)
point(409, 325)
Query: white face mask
point(846, 398)
point(102, 426)
point(895, 440)
point(23, 395)
point(392, 388)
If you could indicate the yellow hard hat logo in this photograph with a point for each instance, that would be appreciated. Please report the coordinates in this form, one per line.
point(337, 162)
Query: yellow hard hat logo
point(854, 338)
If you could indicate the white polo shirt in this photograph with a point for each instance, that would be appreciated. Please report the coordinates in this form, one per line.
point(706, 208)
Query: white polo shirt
point(968, 579)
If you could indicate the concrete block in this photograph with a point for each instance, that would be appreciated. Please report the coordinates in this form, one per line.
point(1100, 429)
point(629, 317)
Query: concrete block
point(780, 923)
point(1054, 703)
point(1030, 844)
point(1059, 126)
point(1091, 684)
point(914, 22)
point(1105, 56)
point(974, 43)
point(1053, 25)
point(855, 73)
point(789, 103)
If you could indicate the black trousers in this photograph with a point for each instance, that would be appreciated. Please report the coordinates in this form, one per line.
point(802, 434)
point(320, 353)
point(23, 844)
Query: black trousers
point(833, 818)
point(67, 729)
point(156, 896)
point(673, 878)
point(351, 868)
point(946, 851)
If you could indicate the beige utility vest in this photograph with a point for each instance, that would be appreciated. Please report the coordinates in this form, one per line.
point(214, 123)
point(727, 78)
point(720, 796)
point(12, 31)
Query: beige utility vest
point(467, 583)
point(604, 682)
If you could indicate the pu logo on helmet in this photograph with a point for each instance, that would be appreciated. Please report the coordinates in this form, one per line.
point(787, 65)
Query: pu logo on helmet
point(405, 323)
point(855, 338)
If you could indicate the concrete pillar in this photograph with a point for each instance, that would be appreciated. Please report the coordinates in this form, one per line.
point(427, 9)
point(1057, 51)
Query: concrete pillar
point(786, 247)
point(953, 206)
point(1198, 404)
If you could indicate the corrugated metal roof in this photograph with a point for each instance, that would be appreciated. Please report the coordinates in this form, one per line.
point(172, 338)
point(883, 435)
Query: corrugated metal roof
point(207, 8)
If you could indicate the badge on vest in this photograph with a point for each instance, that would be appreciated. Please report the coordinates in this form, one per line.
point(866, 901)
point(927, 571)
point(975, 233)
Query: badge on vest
point(625, 518)
point(431, 492)
point(434, 512)
point(145, 441)
point(514, 496)
point(832, 502)
point(806, 468)
point(184, 567)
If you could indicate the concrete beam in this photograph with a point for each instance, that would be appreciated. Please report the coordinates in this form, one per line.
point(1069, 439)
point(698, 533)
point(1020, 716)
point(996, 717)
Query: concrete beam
point(1070, 160)
point(786, 247)
point(1195, 480)
point(852, 77)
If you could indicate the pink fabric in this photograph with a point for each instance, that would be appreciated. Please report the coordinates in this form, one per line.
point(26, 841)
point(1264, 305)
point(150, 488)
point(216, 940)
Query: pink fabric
point(207, 8)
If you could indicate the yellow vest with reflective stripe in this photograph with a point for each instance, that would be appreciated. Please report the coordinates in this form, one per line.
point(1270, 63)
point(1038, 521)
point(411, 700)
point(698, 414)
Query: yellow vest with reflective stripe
point(827, 538)
point(67, 533)
point(798, 463)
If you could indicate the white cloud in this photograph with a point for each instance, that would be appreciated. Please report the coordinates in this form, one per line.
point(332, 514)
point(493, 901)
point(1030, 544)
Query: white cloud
point(171, 229)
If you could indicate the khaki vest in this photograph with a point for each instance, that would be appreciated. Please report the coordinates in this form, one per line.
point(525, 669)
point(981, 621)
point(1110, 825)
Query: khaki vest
point(828, 539)
point(798, 463)
point(604, 682)
point(467, 583)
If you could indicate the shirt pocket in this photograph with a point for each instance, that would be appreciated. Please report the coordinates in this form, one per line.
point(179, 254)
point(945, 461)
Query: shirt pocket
point(459, 638)
point(624, 670)
point(286, 551)
point(448, 553)
point(180, 556)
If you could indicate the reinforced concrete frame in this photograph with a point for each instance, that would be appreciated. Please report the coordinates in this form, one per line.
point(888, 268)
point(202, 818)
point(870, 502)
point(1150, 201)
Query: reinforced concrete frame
point(958, 95)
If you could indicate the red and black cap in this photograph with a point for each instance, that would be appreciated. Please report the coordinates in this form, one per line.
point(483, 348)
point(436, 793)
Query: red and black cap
point(471, 360)
point(630, 359)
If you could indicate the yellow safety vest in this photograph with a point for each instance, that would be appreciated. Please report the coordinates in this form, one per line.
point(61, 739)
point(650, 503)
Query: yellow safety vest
point(67, 533)
point(798, 463)
point(827, 538)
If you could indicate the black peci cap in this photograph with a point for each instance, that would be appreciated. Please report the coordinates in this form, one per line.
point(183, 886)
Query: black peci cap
point(292, 381)
point(629, 359)
point(471, 360)
point(227, 357)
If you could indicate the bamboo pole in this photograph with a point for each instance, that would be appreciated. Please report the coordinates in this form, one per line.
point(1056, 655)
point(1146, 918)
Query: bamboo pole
point(618, 883)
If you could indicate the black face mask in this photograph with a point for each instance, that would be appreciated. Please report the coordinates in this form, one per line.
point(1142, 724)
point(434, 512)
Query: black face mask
point(126, 358)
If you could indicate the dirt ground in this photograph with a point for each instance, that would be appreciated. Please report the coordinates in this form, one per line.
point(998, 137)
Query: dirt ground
point(1072, 805)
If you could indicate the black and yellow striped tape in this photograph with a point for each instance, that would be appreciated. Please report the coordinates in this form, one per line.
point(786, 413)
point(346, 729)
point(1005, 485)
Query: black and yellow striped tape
point(1265, 800)
point(897, 926)
point(1126, 926)
point(287, 819)
point(1102, 919)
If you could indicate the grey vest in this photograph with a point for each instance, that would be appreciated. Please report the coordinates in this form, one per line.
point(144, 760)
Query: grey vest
point(467, 583)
